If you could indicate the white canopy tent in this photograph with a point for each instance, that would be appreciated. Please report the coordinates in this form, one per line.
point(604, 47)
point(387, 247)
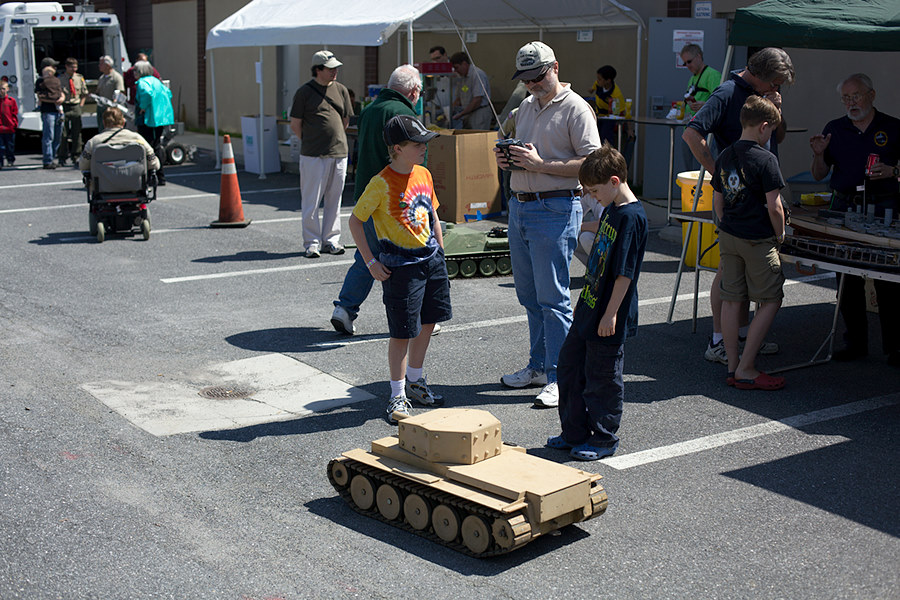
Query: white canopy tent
point(367, 23)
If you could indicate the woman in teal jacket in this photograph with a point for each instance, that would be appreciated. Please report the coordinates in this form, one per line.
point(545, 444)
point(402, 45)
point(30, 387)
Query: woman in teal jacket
point(153, 102)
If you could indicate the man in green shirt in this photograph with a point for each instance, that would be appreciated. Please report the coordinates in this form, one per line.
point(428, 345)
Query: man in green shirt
point(398, 98)
point(704, 79)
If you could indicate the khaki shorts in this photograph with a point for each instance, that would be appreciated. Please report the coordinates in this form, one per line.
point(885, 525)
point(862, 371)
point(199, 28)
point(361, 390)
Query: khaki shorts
point(751, 269)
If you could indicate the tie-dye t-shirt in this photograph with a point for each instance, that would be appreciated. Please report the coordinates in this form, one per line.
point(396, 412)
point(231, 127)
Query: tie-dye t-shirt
point(400, 205)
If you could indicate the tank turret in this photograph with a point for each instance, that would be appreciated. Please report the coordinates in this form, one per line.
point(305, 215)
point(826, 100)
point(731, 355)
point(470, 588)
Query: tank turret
point(470, 252)
point(449, 477)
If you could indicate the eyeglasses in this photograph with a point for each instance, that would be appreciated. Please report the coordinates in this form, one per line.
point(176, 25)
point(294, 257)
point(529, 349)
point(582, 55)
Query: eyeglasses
point(687, 62)
point(537, 79)
point(853, 98)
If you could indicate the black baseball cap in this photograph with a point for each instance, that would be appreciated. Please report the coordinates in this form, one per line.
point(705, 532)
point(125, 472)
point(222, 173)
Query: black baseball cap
point(404, 128)
point(49, 62)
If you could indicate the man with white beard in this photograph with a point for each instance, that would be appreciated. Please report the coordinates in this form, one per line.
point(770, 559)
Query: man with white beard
point(844, 147)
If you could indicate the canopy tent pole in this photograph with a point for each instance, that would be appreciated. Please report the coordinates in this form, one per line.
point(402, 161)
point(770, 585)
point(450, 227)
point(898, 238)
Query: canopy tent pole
point(259, 134)
point(636, 105)
point(409, 41)
point(212, 70)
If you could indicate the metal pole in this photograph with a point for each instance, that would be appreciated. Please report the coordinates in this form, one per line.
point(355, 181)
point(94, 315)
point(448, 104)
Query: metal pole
point(635, 109)
point(212, 69)
point(259, 138)
point(409, 41)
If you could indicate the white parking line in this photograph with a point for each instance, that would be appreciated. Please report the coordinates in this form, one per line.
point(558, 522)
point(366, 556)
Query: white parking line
point(708, 442)
point(17, 210)
point(257, 271)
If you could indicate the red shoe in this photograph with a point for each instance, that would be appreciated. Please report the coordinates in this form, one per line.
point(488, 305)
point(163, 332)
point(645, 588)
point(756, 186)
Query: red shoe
point(762, 382)
point(730, 380)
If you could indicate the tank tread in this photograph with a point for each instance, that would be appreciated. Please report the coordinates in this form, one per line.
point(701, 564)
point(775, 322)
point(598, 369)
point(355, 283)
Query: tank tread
point(518, 521)
point(459, 258)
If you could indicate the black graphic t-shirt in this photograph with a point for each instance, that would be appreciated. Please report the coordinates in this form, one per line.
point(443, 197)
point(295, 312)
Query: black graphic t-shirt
point(618, 249)
point(745, 172)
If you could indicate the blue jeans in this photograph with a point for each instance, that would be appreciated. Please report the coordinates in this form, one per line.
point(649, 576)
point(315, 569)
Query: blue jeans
point(542, 238)
point(358, 280)
point(591, 391)
point(51, 124)
point(7, 147)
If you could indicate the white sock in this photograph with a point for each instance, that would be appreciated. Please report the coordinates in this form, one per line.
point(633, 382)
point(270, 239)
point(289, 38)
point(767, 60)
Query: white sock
point(716, 338)
point(414, 374)
point(398, 388)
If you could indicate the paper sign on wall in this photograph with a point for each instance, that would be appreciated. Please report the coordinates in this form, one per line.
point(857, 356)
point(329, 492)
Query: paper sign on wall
point(258, 72)
point(585, 35)
point(703, 9)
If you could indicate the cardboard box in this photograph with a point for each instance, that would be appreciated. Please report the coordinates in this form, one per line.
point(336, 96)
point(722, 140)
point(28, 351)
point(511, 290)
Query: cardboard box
point(465, 174)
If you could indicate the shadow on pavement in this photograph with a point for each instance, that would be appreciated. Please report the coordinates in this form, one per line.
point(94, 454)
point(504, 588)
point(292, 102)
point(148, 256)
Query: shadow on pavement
point(336, 510)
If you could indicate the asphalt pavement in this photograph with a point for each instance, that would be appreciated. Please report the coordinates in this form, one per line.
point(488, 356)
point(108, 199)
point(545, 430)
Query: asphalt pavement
point(119, 480)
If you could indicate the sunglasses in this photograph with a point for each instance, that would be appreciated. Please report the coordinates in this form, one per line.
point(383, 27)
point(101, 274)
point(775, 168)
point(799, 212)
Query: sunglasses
point(537, 79)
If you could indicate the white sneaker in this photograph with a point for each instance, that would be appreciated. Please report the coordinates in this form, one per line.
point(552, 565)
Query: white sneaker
point(437, 329)
point(419, 392)
point(398, 404)
point(312, 252)
point(524, 378)
point(716, 352)
point(549, 396)
point(341, 320)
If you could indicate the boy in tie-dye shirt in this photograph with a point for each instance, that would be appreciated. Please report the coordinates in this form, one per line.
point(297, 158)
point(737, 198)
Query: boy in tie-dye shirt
point(401, 202)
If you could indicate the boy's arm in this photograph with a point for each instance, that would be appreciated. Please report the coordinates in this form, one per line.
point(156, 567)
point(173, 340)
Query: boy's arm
point(607, 325)
point(378, 270)
point(719, 205)
point(776, 213)
point(438, 232)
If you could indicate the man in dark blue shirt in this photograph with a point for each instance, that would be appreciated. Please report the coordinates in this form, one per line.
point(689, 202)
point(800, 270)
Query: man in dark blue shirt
point(844, 146)
point(765, 73)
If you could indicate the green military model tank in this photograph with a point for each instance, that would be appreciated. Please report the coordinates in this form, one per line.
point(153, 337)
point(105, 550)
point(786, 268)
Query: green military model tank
point(469, 252)
point(448, 476)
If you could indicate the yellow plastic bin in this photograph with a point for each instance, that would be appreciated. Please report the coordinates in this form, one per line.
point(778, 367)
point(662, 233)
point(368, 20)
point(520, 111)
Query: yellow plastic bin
point(687, 181)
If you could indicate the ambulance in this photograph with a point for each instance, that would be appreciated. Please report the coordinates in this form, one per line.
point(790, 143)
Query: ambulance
point(31, 31)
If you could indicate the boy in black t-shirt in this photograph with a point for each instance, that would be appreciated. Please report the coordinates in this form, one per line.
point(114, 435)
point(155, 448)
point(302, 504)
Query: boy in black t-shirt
point(592, 358)
point(747, 201)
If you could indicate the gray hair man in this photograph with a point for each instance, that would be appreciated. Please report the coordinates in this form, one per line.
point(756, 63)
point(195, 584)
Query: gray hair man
point(110, 82)
point(398, 98)
point(765, 73)
point(558, 129)
point(843, 148)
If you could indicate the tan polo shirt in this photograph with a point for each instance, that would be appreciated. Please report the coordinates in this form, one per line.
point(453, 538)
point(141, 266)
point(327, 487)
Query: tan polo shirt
point(565, 128)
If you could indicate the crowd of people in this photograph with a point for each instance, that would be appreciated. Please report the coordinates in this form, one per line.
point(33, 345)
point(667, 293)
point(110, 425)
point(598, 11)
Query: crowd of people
point(62, 94)
point(566, 168)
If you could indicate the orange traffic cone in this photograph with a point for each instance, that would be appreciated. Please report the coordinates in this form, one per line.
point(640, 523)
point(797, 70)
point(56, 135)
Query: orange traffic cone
point(231, 210)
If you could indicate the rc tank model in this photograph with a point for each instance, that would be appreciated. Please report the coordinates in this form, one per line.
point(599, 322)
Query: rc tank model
point(469, 251)
point(449, 477)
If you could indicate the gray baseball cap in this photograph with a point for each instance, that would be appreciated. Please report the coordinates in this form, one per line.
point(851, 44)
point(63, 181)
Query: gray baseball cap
point(325, 59)
point(532, 58)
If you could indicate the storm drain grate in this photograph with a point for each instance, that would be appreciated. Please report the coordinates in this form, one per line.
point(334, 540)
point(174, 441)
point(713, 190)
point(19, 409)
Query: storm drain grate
point(222, 392)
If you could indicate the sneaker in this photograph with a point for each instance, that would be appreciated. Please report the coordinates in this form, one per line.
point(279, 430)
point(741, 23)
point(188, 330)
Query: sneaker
point(437, 329)
point(524, 378)
point(312, 252)
point(716, 352)
point(549, 396)
point(50, 166)
point(421, 394)
point(333, 249)
point(766, 348)
point(398, 404)
point(341, 320)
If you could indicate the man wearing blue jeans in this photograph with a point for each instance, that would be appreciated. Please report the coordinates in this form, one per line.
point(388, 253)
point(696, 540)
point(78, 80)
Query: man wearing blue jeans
point(49, 92)
point(559, 129)
point(398, 98)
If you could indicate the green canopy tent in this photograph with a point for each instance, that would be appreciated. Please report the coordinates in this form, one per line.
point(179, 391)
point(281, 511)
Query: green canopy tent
point(863, 25)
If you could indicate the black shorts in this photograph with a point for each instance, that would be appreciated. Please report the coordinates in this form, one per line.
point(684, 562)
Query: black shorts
point(416, 294)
